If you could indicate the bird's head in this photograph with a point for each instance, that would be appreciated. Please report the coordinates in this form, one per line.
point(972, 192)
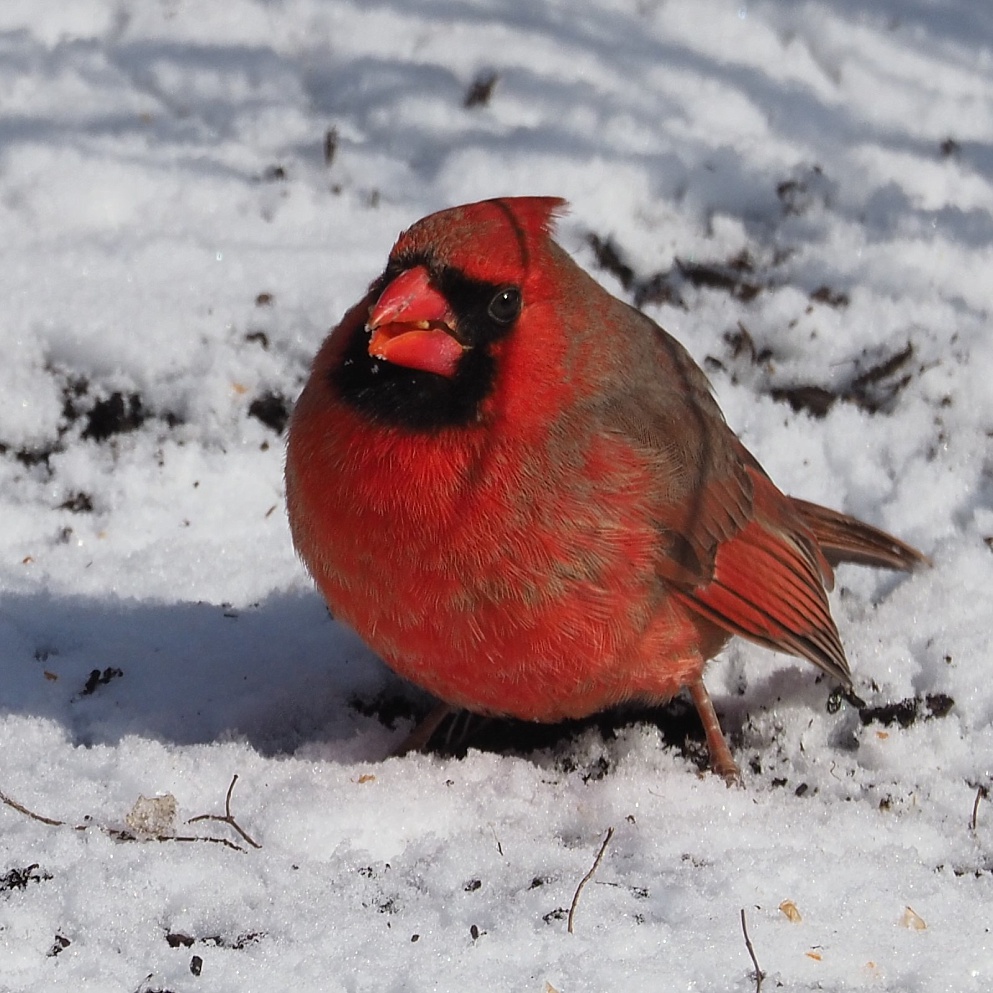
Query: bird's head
point(457, 285)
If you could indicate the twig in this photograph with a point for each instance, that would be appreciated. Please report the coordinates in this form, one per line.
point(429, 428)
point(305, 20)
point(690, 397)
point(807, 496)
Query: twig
point(759, 974)
point(587, 878)
point(227, 817)
point(20, 808)
point(119, 834)
point(497, 840)
point(200, 837)
point(981, 792)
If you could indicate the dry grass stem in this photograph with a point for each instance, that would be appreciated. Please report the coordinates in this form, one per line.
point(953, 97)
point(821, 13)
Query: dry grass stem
point(587, 878)
point(119, 834)
point(981, 792)
point(227, 817)
point(759, 974)
point(20, 808)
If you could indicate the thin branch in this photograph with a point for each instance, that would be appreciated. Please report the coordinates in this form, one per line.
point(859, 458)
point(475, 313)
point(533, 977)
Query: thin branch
point(201, 837)
point(20, 808)
point(227, 817)
point(119, 834)
point(981, 792)
point(587, 878)
point(759, 974)
point(497, 840)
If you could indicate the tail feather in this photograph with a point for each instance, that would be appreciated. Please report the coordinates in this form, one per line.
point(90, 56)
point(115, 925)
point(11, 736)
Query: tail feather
point(847, 539)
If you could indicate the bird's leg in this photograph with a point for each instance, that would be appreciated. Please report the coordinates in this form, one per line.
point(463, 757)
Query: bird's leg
point(721, 760)
point(418, 739)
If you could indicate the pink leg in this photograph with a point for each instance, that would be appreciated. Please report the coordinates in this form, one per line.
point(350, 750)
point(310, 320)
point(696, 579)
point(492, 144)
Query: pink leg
point(418, 739)
point(721, 760)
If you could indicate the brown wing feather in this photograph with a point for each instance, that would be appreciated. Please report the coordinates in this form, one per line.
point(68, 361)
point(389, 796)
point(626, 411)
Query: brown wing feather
point(661, 403)
point(770, 585)
point(847, 539)
point(730, 546)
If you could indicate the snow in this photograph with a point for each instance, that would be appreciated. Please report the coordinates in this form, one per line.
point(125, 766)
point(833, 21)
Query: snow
point(175, 247)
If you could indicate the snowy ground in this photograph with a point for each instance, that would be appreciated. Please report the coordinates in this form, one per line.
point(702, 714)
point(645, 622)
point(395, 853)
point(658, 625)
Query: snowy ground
point(190, 195)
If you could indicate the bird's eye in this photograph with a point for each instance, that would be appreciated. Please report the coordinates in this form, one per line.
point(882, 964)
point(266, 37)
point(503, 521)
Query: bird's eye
point(506, 305)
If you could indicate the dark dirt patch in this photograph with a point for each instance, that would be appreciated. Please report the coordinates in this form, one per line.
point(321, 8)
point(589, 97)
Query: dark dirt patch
point(97, 678)
point(18, 878)
point(481, 90)
point(272, 409)
point(908, 712)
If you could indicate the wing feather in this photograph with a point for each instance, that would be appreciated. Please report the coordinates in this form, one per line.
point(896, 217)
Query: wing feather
point(730, 546)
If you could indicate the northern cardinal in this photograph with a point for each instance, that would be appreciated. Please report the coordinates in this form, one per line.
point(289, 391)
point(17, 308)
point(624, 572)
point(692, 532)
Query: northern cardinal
point(520, 492)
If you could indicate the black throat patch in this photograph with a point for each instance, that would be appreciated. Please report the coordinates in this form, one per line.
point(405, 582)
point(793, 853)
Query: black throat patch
point(423, 401)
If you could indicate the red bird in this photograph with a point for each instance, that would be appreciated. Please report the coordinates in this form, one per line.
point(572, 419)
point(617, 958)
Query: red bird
point(521, 493)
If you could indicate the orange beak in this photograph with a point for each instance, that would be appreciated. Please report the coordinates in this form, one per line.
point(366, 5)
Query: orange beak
point(412, 325)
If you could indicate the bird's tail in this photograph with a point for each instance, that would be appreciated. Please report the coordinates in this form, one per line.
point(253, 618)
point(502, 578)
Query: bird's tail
point(847, 539)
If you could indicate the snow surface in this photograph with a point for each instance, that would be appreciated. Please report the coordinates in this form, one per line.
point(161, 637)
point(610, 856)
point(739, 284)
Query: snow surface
point(175, 245)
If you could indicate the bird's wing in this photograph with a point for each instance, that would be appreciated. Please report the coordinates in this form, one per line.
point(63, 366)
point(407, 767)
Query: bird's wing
point(730, 545)
point(769, 583)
